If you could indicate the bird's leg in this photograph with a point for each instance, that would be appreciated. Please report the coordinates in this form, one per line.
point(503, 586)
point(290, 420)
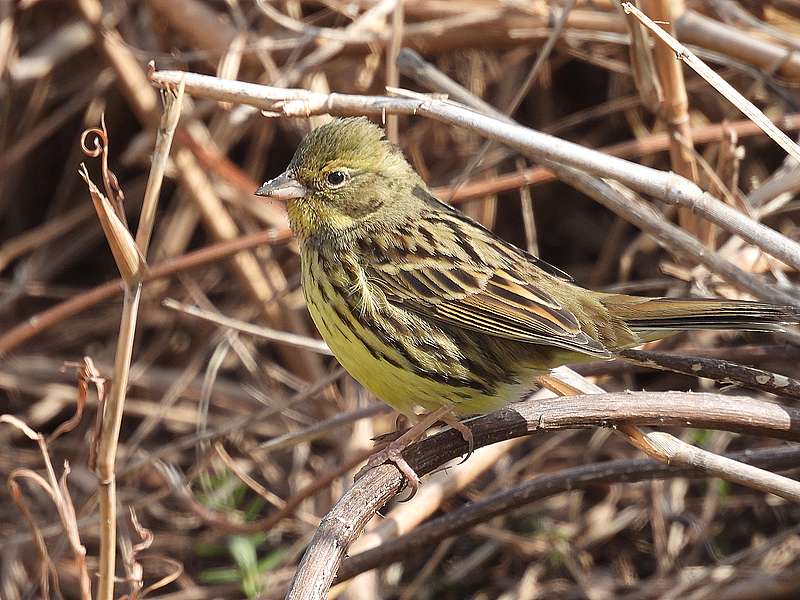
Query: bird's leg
point(401, 424)
point(452, 420)
point(393, 452)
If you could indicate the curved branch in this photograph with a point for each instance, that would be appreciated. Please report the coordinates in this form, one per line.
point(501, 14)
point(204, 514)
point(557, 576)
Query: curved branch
point(346, 520)
point(576, 478)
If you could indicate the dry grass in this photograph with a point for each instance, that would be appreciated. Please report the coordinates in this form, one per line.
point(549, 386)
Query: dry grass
point(235, 441)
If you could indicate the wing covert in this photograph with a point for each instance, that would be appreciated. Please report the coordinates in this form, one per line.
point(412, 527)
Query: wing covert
point(445, 282)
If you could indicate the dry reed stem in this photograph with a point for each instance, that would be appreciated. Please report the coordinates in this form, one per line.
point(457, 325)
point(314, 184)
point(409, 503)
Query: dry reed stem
point(129, 257)
point(392, 72)
point(722, 86)
point(173, 102)
point(675, 112)
point(113, 410)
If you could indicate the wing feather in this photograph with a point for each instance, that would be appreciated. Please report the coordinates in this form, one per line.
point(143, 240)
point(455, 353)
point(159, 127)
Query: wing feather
point(486, 291)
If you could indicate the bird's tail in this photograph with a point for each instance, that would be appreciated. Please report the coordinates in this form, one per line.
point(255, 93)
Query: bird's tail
point(647, 316)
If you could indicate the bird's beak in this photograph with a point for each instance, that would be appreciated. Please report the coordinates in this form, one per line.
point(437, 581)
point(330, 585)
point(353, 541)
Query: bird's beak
point(283, 187)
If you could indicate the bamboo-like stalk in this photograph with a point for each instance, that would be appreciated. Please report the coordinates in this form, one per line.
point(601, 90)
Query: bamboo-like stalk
point(166, 133)
point(109, 439)
point(675, 111)
point(392, 72)
point(114, 407)
point(722, 86)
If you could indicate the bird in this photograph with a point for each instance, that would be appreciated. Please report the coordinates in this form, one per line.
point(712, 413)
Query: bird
point(433, 313)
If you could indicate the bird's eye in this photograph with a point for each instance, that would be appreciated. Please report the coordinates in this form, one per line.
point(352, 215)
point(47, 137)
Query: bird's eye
point(336, 178)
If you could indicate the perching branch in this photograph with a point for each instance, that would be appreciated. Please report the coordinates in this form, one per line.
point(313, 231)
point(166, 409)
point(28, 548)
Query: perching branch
point(344, 523)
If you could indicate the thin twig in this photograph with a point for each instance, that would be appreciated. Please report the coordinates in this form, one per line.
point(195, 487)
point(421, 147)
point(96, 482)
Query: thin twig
point(42, 321)
point(664, 186)
point(722, 86)
point(722, 371)
point(173, 101)
point(282, 337)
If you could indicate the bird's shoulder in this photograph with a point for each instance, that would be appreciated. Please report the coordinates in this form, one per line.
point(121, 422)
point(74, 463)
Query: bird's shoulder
point(446, 218)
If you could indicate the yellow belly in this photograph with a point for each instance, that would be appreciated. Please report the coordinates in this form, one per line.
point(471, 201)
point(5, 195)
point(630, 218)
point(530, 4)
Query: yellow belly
point(398, 387)
point(401, 387)
point(407, 376)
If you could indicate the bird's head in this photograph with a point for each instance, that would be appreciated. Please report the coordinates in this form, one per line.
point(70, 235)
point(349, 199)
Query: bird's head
point(343, 176)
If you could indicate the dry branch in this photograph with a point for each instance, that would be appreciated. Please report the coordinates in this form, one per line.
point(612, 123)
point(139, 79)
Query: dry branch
point(544, 486)
point(664, 186)
point(722, 86)
point(721, 371)
point(168, 268)
point(344, 523)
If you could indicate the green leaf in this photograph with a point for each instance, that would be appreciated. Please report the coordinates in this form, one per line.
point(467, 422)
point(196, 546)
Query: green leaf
point(220, 575)
point(271, 560)
point(243, 552)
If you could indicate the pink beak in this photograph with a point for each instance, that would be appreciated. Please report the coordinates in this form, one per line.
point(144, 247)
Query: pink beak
point(283, 187)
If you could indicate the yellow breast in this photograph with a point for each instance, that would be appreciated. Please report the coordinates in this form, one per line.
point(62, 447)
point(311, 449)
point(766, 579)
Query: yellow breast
point(389, 368)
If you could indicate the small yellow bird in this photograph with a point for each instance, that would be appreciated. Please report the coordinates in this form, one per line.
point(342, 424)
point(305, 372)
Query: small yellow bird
point(428, 309)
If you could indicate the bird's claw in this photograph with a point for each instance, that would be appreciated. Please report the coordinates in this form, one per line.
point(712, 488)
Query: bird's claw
point(393, 453)
point(465, 432)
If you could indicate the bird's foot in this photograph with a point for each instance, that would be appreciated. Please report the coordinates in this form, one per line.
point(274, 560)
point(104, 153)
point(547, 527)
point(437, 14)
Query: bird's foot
point(452, 420)
point(393, 453)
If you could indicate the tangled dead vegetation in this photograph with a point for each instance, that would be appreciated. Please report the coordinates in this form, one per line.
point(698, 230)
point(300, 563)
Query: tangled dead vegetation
point(173, 427)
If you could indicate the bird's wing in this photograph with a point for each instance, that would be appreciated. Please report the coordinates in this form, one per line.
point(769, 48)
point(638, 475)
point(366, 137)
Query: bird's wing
point(454, 272)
